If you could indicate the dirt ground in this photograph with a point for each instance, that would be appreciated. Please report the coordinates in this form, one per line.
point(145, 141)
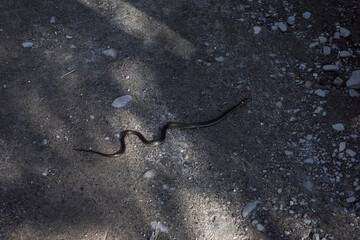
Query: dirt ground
point(286, 166)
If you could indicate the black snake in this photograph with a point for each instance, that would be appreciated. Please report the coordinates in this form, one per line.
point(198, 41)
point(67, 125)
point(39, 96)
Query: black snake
point(160, 140)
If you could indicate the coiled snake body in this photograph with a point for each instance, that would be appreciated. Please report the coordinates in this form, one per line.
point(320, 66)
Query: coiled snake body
point(160, 140)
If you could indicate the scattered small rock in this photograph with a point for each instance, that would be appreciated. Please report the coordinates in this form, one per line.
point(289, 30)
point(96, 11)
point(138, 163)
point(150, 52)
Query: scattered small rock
point(322, 39)
point(338, 81)
point(306, 15)
point(158, 225)
point(288, 153)
point(27, 44)
point(314, 44)
point(326, 50)
point(338, 127)
point(53, 19)
point(309, 161)
point(354, 81)
point(121, 101)
point(92, 117)
point(320, 93)
point(149, 174)
point(110, 52)
point(316, 236)
point(260, 227)
point(351, 199)
point(350, 153)
point(345, 54)
point(344, 32)
point(68, 37)
point(353, 93)
point(257, 29)
point(282, 26)
point(330, 68)
point(342, 146)
point(44, 142)
point(249, 207)
point(219, 59)
point(308, 185)
point(279, 104)
point(308, 84)
point(291, 20)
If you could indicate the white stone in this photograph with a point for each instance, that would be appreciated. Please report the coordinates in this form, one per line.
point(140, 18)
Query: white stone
point(110, 52)
point(257, 29)
point(121, 101)
point(338, 81)
point(345, 54)
point(53, 19)
point(320, 93)
point(44, 142)
point(282, 26)
point(353, 93)
point(322, 39)
point(219, 59)
point(291, 20)
point(338, 127)
point(344, 32)
point(68, 37)
point(92, 117)
point(307, 221)
point(149, 174)
point(158, 225)
point(316, 236)
point(326, 50)
point(260, 227)
point(350, 153)
point(342, 146)
point(27, 44)
point(351, 199)
point(249, 207)
point(330, 68)
point(354, 81)
point(306, 15)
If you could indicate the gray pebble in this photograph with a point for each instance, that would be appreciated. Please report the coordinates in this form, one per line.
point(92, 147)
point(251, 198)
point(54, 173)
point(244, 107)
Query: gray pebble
point(149, 174)
point(291, 20)
point(219, 59)
point(316, 236)
point(282, 26)
point(330, 68)
point(320, 93)
point(322, 39)
point(121, 101)
point(288, 153)
point(44, 142)
point(257, 29)
point(306, 15)
point(68, 37)
point(279, 104)
point(353, 93)
point(350, 153)
point(344, 32)
point(351, 199)
point(337, 35)
point(249, 207)
point(354, 81)
point(326, 50)
point(27, 44)
point(338, 81)
point(338, 127)
point(314, 44)
point(110, 52)
point(53, 19)
point(309, 161)
point(260, 227)
point(345, 54)
point(308, 84)
point(342, 146)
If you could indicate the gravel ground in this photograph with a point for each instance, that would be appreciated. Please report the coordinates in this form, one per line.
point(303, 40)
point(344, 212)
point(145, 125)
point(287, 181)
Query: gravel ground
point(77, 73)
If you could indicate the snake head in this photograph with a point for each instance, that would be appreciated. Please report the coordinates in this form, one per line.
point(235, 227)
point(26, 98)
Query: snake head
point(245, 101)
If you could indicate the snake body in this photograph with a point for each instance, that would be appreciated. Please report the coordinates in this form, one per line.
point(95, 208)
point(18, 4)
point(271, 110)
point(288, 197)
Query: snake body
point(168, 125)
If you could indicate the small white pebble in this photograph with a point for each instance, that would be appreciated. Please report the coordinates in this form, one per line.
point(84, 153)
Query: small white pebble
point(92, 117)
point(338, 127)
